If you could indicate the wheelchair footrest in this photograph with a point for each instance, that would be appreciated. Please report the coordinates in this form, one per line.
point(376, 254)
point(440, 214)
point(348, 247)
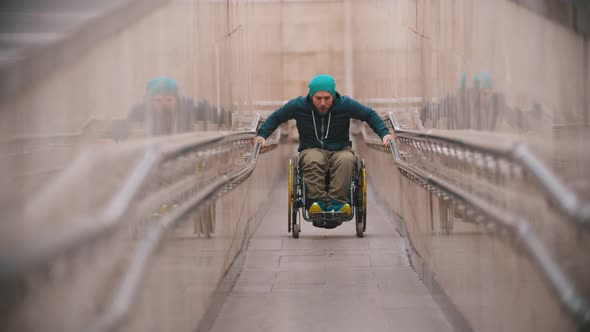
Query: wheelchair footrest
point(329, 224)
point(329, 216)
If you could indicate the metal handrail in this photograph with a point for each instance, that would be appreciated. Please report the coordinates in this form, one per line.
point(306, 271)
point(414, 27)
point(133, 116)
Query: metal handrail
point(16, 260)
point(131, 280)
point(562, 286)
point(568, 202)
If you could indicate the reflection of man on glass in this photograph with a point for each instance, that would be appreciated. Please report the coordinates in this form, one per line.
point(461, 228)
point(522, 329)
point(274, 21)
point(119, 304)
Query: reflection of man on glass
point(163, 112)
point(485, 109)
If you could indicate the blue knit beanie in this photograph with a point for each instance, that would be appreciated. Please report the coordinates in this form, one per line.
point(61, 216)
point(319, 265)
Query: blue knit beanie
point(162, 85)
point(322, 83)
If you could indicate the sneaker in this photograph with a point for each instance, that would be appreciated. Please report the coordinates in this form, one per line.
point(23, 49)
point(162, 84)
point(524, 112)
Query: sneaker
point(341, 207)
point(317, 207)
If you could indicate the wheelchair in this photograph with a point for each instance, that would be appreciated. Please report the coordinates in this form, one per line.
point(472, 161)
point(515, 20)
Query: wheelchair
point(329, 220)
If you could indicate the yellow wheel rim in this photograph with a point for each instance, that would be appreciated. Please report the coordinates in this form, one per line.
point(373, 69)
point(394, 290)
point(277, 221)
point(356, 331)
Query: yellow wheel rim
point(364, 175)
point(290, 191)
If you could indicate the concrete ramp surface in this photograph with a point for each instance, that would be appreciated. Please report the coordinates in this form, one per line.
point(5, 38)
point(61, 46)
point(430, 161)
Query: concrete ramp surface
point(328, 280)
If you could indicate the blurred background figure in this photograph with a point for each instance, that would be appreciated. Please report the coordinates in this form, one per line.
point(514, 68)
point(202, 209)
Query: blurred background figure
point(485, 110)
point(163, 112)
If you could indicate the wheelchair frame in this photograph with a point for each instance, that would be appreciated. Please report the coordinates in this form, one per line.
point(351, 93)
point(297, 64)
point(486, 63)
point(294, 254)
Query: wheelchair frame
point(296, 200)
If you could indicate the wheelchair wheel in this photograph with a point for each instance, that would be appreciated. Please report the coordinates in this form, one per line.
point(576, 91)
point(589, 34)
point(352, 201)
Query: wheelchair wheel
point(296, 229)
point(361, 208)
point(359, 230)
point(290, 195)
point(294, 224)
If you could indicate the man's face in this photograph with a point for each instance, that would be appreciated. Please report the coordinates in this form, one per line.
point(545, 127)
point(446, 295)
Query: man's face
point(163, 102)
point(322, 100)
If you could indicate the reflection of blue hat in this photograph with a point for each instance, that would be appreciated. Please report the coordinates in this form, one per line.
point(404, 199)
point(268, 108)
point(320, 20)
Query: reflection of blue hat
point(475, 82)
point(486, 80)
point(463, 81)
point(162, 85)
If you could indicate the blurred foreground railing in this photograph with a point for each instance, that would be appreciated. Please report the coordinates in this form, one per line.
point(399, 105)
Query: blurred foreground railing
point(105, 216)
point(31, 161)
point(498, 184)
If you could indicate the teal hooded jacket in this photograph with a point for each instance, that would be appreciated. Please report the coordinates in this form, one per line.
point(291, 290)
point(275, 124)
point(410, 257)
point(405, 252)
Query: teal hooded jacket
point(331, 131)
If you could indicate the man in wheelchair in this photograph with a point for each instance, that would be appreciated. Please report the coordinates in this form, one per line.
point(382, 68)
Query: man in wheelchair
point(323, 122)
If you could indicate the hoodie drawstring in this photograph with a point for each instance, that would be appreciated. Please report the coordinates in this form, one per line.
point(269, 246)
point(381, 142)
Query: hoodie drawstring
point(316, 128)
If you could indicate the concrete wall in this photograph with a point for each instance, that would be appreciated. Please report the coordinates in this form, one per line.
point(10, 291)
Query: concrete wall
point(268, 50)
point(299, 38)
point(438, 50)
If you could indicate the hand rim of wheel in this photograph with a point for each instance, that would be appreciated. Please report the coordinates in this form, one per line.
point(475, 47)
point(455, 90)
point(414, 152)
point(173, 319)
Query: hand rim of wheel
point(290, 193)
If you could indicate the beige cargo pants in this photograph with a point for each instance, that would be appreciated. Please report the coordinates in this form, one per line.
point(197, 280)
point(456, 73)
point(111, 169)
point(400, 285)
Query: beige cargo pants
point(314, 163)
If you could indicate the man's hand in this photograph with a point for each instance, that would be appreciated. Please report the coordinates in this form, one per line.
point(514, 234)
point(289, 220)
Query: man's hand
point(259, 139)
point(387, 138)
